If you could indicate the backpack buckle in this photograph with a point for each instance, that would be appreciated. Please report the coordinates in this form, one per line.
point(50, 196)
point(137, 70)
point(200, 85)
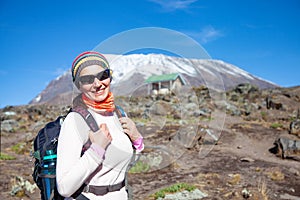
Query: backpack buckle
point(86, 189)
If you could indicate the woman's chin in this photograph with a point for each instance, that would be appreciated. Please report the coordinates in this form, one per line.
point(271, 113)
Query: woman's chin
point(99, 97)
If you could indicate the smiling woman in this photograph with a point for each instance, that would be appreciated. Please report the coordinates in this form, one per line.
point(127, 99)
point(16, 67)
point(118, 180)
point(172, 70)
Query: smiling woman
point(92, 165)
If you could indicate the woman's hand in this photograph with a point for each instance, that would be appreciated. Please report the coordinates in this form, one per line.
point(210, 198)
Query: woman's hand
point(129, 128)
point(101, 137)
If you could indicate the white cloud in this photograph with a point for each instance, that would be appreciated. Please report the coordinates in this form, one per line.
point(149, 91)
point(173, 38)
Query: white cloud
point(172, 5)
point(207, 34)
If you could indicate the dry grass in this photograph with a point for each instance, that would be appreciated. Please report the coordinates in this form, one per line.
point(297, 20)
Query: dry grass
point(275, 175)
point(234, 179)
point(262, 188)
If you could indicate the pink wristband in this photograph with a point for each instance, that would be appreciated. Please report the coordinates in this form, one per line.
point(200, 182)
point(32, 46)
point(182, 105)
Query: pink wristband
point(138, 144)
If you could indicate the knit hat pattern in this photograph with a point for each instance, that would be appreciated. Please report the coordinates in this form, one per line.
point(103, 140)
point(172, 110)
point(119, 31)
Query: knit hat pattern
point(85, 59)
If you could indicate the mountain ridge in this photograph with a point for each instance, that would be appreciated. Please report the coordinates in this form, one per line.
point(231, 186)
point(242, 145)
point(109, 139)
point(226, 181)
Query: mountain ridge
point(216, 74)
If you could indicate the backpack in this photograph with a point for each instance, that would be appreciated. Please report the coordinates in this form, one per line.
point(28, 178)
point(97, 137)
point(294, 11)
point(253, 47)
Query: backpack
point(46, 141)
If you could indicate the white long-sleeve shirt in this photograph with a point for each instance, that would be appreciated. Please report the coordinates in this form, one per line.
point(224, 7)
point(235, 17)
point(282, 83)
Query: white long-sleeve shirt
point(73, 170)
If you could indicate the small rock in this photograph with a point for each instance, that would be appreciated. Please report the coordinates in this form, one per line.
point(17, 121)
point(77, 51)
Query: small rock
point(246, 193)
point(289, 197)
point(9, 125)
point(185, 195)
point(294, 171)
point(10, 113)
point(246, 159)
point(21, 186)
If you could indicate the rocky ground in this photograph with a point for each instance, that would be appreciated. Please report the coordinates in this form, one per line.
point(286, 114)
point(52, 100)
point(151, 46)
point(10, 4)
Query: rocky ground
point(240, 164)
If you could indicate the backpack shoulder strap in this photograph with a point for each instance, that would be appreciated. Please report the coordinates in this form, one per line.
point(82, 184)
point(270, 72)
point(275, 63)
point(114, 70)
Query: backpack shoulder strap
point(120, 112)
point(87, 116)
point(91, 122)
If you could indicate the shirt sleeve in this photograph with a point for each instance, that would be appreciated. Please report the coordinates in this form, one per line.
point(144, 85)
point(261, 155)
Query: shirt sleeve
point(73, 169)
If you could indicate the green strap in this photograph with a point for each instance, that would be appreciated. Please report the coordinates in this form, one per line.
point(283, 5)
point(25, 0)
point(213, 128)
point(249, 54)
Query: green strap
point(37, 155)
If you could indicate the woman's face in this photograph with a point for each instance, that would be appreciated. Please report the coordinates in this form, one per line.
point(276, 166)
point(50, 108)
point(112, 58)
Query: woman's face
point(97, 90)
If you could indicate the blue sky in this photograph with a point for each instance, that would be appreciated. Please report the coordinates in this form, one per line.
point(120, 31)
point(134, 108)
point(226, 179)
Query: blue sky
point(39, 39)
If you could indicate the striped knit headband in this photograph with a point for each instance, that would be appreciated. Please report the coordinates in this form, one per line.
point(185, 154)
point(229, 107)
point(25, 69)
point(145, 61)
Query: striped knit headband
point(87, 59)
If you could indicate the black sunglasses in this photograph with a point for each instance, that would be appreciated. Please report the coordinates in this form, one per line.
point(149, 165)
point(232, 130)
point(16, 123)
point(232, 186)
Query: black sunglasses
point(89, 79)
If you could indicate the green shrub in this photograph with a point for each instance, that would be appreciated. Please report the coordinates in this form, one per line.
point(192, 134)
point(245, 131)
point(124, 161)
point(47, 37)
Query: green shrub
point(139, 167)
point(276, 125)
point(178, 187)
point(4, 156)
point(263, 115)
point(19, 148)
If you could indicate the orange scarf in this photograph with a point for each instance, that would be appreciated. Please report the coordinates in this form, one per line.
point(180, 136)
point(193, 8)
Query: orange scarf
point(107, 104)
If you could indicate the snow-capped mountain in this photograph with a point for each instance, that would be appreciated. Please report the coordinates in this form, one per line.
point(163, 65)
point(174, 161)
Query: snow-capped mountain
point(130, 72)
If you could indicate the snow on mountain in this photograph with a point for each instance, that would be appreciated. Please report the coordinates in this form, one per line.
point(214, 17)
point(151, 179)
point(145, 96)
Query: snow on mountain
point(130, 71)
point(149, 64)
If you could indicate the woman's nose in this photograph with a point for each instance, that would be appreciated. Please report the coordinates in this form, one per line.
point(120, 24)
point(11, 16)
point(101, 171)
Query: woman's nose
point(97, 82)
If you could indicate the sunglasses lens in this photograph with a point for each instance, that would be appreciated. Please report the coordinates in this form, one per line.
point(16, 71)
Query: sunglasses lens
point(104, 75)
point(89, 79)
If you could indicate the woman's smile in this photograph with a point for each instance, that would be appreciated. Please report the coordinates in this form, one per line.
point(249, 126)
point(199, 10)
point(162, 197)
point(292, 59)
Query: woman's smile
point(99, 91)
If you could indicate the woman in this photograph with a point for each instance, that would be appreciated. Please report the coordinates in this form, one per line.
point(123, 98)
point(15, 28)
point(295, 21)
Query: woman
point(102, 167)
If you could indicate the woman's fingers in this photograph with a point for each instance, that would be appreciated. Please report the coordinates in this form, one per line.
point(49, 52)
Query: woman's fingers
point(129, 128)
point(101, 137)
point(105, 131)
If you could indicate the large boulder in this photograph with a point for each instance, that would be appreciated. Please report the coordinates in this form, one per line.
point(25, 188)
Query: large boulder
point(287, 148)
